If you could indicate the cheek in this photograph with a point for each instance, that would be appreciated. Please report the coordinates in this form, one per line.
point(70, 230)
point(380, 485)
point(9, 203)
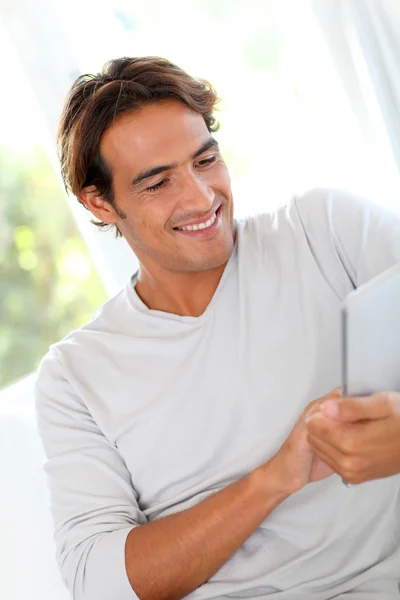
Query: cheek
point(220, 174)
point(223, 180)
point(150, 218)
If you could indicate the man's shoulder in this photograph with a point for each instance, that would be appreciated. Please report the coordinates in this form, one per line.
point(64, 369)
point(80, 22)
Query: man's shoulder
point(311, 227)
point(311, 202)
point(287, 220)
point(108, 320)
point(109, 317)
point(321, 211)
point(334, 205)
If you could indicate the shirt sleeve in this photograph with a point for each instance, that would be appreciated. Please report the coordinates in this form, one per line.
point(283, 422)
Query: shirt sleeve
point(93, 502)
point(350, 236)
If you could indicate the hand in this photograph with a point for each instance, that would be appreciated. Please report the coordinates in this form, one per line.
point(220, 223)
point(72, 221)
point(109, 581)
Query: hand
point(359, 438)
point(296, 463)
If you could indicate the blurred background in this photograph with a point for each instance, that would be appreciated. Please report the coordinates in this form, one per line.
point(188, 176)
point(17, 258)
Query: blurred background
point(310, 95)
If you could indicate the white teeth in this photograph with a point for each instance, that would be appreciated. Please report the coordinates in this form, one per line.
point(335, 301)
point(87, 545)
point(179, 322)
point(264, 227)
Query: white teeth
point(208, 223)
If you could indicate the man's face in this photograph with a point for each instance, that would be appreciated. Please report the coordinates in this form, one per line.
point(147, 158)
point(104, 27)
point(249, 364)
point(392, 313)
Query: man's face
point(173, 186)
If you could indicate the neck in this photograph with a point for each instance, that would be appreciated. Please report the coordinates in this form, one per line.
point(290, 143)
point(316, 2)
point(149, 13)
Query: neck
point(184, 294)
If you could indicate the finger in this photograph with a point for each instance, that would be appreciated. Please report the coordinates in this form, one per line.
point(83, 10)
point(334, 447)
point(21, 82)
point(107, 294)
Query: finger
point(394, 399)
point(336, 393)
point(330, 456)
point(363, 451)
point(315, 406)
point(352, 469)
point(348, 409)
point(322, 427)
point(312, 410)
point(355, 468)
point(319, 469)
point(345, 437)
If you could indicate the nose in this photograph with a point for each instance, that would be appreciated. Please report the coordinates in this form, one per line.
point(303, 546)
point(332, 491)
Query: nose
point(195, 194)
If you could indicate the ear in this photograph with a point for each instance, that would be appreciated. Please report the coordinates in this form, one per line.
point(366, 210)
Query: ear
point(92, 199)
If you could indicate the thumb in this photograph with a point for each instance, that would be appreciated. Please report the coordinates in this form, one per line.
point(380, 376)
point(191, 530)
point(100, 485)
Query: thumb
point(369, 408)
point(315, 406)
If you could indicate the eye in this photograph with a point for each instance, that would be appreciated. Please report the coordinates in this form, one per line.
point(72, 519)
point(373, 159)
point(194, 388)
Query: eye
point(206, 161)
point(156, 186)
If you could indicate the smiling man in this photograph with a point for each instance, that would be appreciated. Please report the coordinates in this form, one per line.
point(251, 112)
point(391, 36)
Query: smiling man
point(194, 446)
point(174, 203)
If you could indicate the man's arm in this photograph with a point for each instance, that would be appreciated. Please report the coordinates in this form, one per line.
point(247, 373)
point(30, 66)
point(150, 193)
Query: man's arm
point(169, 558)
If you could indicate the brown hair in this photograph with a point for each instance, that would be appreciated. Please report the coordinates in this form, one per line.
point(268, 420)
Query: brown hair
point(94, 101)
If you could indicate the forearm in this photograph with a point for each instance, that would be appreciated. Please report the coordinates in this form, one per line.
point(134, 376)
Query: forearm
point(169, 558)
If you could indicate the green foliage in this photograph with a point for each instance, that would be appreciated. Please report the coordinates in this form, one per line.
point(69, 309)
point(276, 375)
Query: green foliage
point(48, 285)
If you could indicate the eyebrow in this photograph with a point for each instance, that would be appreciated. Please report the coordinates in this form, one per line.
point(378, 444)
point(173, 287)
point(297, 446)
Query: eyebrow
point(147, 173)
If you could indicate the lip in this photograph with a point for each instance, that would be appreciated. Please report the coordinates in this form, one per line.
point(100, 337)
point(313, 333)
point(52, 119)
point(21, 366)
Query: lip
point(203, 233)
point(202, 221)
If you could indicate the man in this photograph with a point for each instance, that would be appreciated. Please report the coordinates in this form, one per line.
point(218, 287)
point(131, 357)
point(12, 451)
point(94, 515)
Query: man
point(186, 454)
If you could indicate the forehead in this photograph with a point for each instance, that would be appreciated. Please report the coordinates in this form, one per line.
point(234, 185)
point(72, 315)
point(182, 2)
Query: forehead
point(157, 134)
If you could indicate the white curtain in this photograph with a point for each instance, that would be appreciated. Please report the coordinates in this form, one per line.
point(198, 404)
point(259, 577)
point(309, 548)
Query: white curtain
point(364, 38)
point(39, 39)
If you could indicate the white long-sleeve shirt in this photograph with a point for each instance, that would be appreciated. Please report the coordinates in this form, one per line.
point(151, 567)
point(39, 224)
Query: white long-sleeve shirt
point(144, 413)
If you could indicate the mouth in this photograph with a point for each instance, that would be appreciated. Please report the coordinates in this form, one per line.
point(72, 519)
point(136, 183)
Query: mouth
point(204, 228)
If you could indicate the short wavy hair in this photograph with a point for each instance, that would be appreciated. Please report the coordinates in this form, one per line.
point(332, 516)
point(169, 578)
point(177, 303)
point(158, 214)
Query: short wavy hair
point(95, 101)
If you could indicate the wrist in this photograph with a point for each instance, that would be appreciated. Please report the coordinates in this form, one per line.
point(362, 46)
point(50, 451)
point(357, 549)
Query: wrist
point(270, 481)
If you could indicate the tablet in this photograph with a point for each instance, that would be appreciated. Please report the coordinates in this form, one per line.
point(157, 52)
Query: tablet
point(371, 336)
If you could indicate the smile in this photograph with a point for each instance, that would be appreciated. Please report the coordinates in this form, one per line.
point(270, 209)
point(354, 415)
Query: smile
point(198, 226)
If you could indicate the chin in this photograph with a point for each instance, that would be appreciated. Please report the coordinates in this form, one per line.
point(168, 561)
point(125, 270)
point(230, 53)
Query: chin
point(212, 259)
